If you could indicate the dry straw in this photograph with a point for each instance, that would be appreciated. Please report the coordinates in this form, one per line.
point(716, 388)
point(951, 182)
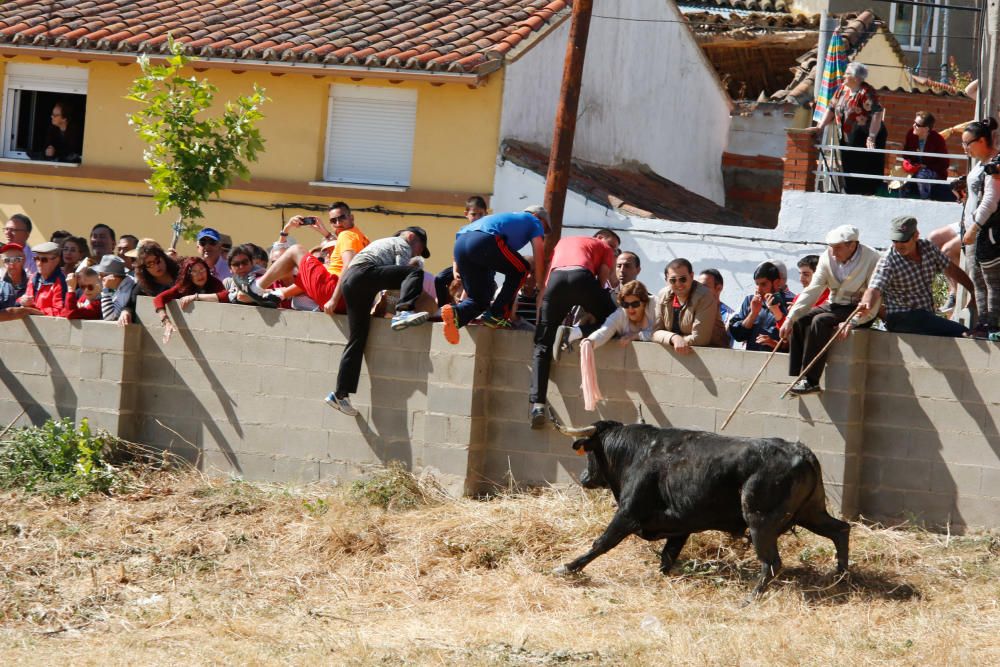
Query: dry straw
point(185, 569)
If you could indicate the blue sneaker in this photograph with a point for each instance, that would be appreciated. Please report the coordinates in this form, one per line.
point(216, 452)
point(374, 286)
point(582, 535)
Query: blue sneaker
point(341, 404)
point(407, 318)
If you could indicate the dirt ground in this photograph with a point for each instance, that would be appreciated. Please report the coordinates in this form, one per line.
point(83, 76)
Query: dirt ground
point(193, 571)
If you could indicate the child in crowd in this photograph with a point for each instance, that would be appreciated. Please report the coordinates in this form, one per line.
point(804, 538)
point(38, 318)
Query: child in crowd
point(807, 269)
point(84, 300)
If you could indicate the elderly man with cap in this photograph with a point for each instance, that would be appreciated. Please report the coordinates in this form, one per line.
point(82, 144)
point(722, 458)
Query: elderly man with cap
point(762, 312)
point(903, 279)
point(210, 245)
point(47, 289)
point(484, 248)
point(17, 230)
point(385, 264)
point(13, 284)
point(845, 269)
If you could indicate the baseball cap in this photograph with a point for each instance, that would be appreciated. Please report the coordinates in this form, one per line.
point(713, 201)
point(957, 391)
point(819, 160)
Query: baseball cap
point(842, 234)
point(11, 247)
point(111, 264)
point(903, 228)
point(209, 233)
point(419, 231)
point(539, 212)
point(45, 248)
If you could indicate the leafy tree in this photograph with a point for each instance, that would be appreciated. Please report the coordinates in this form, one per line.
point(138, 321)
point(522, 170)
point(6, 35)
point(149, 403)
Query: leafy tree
point(192, 157)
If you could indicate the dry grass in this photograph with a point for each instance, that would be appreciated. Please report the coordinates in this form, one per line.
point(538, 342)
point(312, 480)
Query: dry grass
point(195, 571)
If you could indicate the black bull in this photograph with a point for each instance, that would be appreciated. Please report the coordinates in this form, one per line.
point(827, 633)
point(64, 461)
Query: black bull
point(671, 482)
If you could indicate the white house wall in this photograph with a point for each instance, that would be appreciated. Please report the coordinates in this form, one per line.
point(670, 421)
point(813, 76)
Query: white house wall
point(648, 96)
point(805, 219)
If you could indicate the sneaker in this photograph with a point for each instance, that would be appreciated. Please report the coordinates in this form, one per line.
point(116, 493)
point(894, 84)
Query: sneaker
point(803, 387)
point(949, 305)
point(407, 318)
point(497, 322)
point(450, 318)
point(561, 342)
point(538, 416)
point(262, 297)
point(341, 404)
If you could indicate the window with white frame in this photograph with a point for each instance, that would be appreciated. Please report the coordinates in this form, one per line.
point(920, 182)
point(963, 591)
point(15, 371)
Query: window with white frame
point(44, 112)
point(369, 136)
point(910, 23)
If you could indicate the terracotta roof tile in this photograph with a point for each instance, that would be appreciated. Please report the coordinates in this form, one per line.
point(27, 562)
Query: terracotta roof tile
point(460, 35)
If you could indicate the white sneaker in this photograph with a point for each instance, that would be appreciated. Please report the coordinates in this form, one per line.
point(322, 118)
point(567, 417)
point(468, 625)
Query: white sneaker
point(407, 318)
point(341, 404)
point(562, 338)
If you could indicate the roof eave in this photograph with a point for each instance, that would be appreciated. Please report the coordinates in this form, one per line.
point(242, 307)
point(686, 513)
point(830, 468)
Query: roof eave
point(239, 64)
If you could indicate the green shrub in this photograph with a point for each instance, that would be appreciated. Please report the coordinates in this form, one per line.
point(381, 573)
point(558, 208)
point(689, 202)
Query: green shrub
point(392, 488)
point(58, 459)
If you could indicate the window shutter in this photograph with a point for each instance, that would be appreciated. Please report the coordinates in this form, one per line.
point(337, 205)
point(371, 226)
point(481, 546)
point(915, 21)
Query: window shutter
point(369, 137)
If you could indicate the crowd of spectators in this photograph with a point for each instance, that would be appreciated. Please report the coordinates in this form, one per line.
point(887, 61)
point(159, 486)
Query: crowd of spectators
point(589, 292)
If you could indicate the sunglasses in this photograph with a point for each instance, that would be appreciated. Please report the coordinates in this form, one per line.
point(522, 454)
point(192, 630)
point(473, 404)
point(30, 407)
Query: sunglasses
point(918, 125)
point(208, 242)
point(966, 144)
point(13, 260)
point(632, 304)
point(44, 258)
point(237, 263)
point(339, 218)
point(677, 279)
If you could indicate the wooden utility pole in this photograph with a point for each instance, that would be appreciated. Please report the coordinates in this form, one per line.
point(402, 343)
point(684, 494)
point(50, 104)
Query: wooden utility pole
point(557, 179)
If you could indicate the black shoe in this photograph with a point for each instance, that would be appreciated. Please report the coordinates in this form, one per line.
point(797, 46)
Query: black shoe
point(538, 416)
point(248, 285)
point(803, 387)
point(949, 305)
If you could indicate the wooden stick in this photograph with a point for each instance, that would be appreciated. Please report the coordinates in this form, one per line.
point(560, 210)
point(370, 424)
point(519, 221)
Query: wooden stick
point(752, 383)
point(12, 422)
point(820, 353)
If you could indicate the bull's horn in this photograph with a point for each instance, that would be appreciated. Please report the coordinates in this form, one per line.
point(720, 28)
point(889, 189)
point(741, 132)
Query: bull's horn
point(585, 432)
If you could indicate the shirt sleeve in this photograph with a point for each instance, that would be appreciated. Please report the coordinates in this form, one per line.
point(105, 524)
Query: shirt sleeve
point(876, 105)
point(880, 277)
point(736, 328)
point(988, 204)
point(608, 330)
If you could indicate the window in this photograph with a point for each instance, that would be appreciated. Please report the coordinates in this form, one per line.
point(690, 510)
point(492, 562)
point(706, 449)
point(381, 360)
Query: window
point(911, 22)
point(44, 112)
point(369, 136)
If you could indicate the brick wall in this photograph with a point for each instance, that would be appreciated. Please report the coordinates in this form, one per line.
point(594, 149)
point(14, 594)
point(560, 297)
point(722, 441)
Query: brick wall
point(753, 186)
point(800, 161)
point(907, 426)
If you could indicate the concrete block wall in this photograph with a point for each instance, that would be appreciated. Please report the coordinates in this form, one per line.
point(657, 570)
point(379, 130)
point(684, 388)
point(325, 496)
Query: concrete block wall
point(931, 436)
point(907, 427)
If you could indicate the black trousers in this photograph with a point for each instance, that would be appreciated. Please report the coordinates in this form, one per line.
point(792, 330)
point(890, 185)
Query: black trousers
point(810, 333)
point(361, 285)
point(565, 289)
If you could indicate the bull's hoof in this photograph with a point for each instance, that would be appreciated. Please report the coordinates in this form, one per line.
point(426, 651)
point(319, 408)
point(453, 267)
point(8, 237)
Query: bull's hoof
point(564, 571)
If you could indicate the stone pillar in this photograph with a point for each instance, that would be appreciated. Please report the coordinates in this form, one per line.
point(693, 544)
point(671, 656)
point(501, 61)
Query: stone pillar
point(801, 155)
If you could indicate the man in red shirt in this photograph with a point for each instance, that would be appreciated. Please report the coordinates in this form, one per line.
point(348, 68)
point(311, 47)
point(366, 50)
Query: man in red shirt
point(47, 289)
point(580, 267)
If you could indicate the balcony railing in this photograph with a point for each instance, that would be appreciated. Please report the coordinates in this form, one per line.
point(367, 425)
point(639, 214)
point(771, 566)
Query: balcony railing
point(826, 177)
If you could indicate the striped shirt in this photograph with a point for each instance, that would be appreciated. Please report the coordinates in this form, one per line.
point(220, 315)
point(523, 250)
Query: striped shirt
point(906, 285)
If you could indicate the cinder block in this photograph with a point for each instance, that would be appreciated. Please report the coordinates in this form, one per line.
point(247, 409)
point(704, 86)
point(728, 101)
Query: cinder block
point(954, 479)
point(321, 328)
point(881, 504)
point(24, 358)
point(506, 405)
point(100, 394)
point(989, 481)
point(951, 417)
point(523, 468)
point(339, 472)
point(519, 437)
point(933, 510)
point(707, 419)
point(914, 476)
point(898, 411)
point(98, 335)
point(297, 384)
point(337, 421)
point(412, 395)
point(48, 331)
point(506, 373)
point(390, 425)
point(452, 400)
point(355, 449)
point(16, 331)
point(456, 369)
point(310, 356)
point(262, 351)
point(652, 358)
point(937, 383)
point(889, 380)
point(961, 354)
point(888, 442)
point(213, 346)
point(202, 316)
point(449, 460)
point(965, 448)
point(415, 339)
point(977, 511)
point(979, 387)
point(511, 345)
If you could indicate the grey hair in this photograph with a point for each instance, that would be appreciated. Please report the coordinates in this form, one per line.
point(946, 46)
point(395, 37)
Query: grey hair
point(857, 70)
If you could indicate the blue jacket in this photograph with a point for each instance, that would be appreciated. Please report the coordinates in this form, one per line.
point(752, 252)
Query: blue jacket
point(764, 324)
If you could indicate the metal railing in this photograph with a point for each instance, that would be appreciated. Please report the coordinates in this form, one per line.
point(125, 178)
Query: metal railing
point(825, 173)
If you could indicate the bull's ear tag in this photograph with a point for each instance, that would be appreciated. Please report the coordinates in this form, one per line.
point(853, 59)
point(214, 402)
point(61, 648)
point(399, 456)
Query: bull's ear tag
point(581, 451)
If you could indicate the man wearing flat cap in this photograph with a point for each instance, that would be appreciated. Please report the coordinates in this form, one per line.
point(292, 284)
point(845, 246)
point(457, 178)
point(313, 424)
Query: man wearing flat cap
point(845, 269)
point(903, 279)
point(47, 289)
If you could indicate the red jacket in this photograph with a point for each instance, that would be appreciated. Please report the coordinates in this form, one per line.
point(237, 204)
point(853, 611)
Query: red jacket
point(935, 144)
point(90, 310)
point(49, 295)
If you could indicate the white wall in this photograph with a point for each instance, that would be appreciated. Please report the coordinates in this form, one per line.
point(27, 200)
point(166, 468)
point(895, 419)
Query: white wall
point(649, 96)
point(762, 132)
point(804, 220)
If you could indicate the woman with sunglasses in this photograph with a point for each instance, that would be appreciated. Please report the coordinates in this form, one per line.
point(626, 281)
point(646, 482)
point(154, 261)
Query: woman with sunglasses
point(687, 312)
point(194, 277)
point(242, 267)
point(155, 271)
point(634, 320)
point(982, 223)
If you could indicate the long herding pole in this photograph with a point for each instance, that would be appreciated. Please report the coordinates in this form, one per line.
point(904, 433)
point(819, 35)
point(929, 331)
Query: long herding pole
point(820, 354)
point(752, 383)
point(557, 179)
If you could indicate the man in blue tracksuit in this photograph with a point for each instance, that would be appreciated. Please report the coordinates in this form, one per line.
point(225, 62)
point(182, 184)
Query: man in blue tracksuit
point(484, 248)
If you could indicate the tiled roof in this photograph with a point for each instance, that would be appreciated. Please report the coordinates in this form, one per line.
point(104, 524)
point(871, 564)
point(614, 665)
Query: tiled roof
point(629, 189)
point(740, 5)
point(462, 36)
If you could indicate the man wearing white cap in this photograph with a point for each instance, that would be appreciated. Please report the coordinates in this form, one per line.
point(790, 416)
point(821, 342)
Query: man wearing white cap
point(845, 269)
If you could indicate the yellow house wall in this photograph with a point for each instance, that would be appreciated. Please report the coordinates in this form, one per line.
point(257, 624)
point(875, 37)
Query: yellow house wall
point(884, 67)
point(454, 155)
